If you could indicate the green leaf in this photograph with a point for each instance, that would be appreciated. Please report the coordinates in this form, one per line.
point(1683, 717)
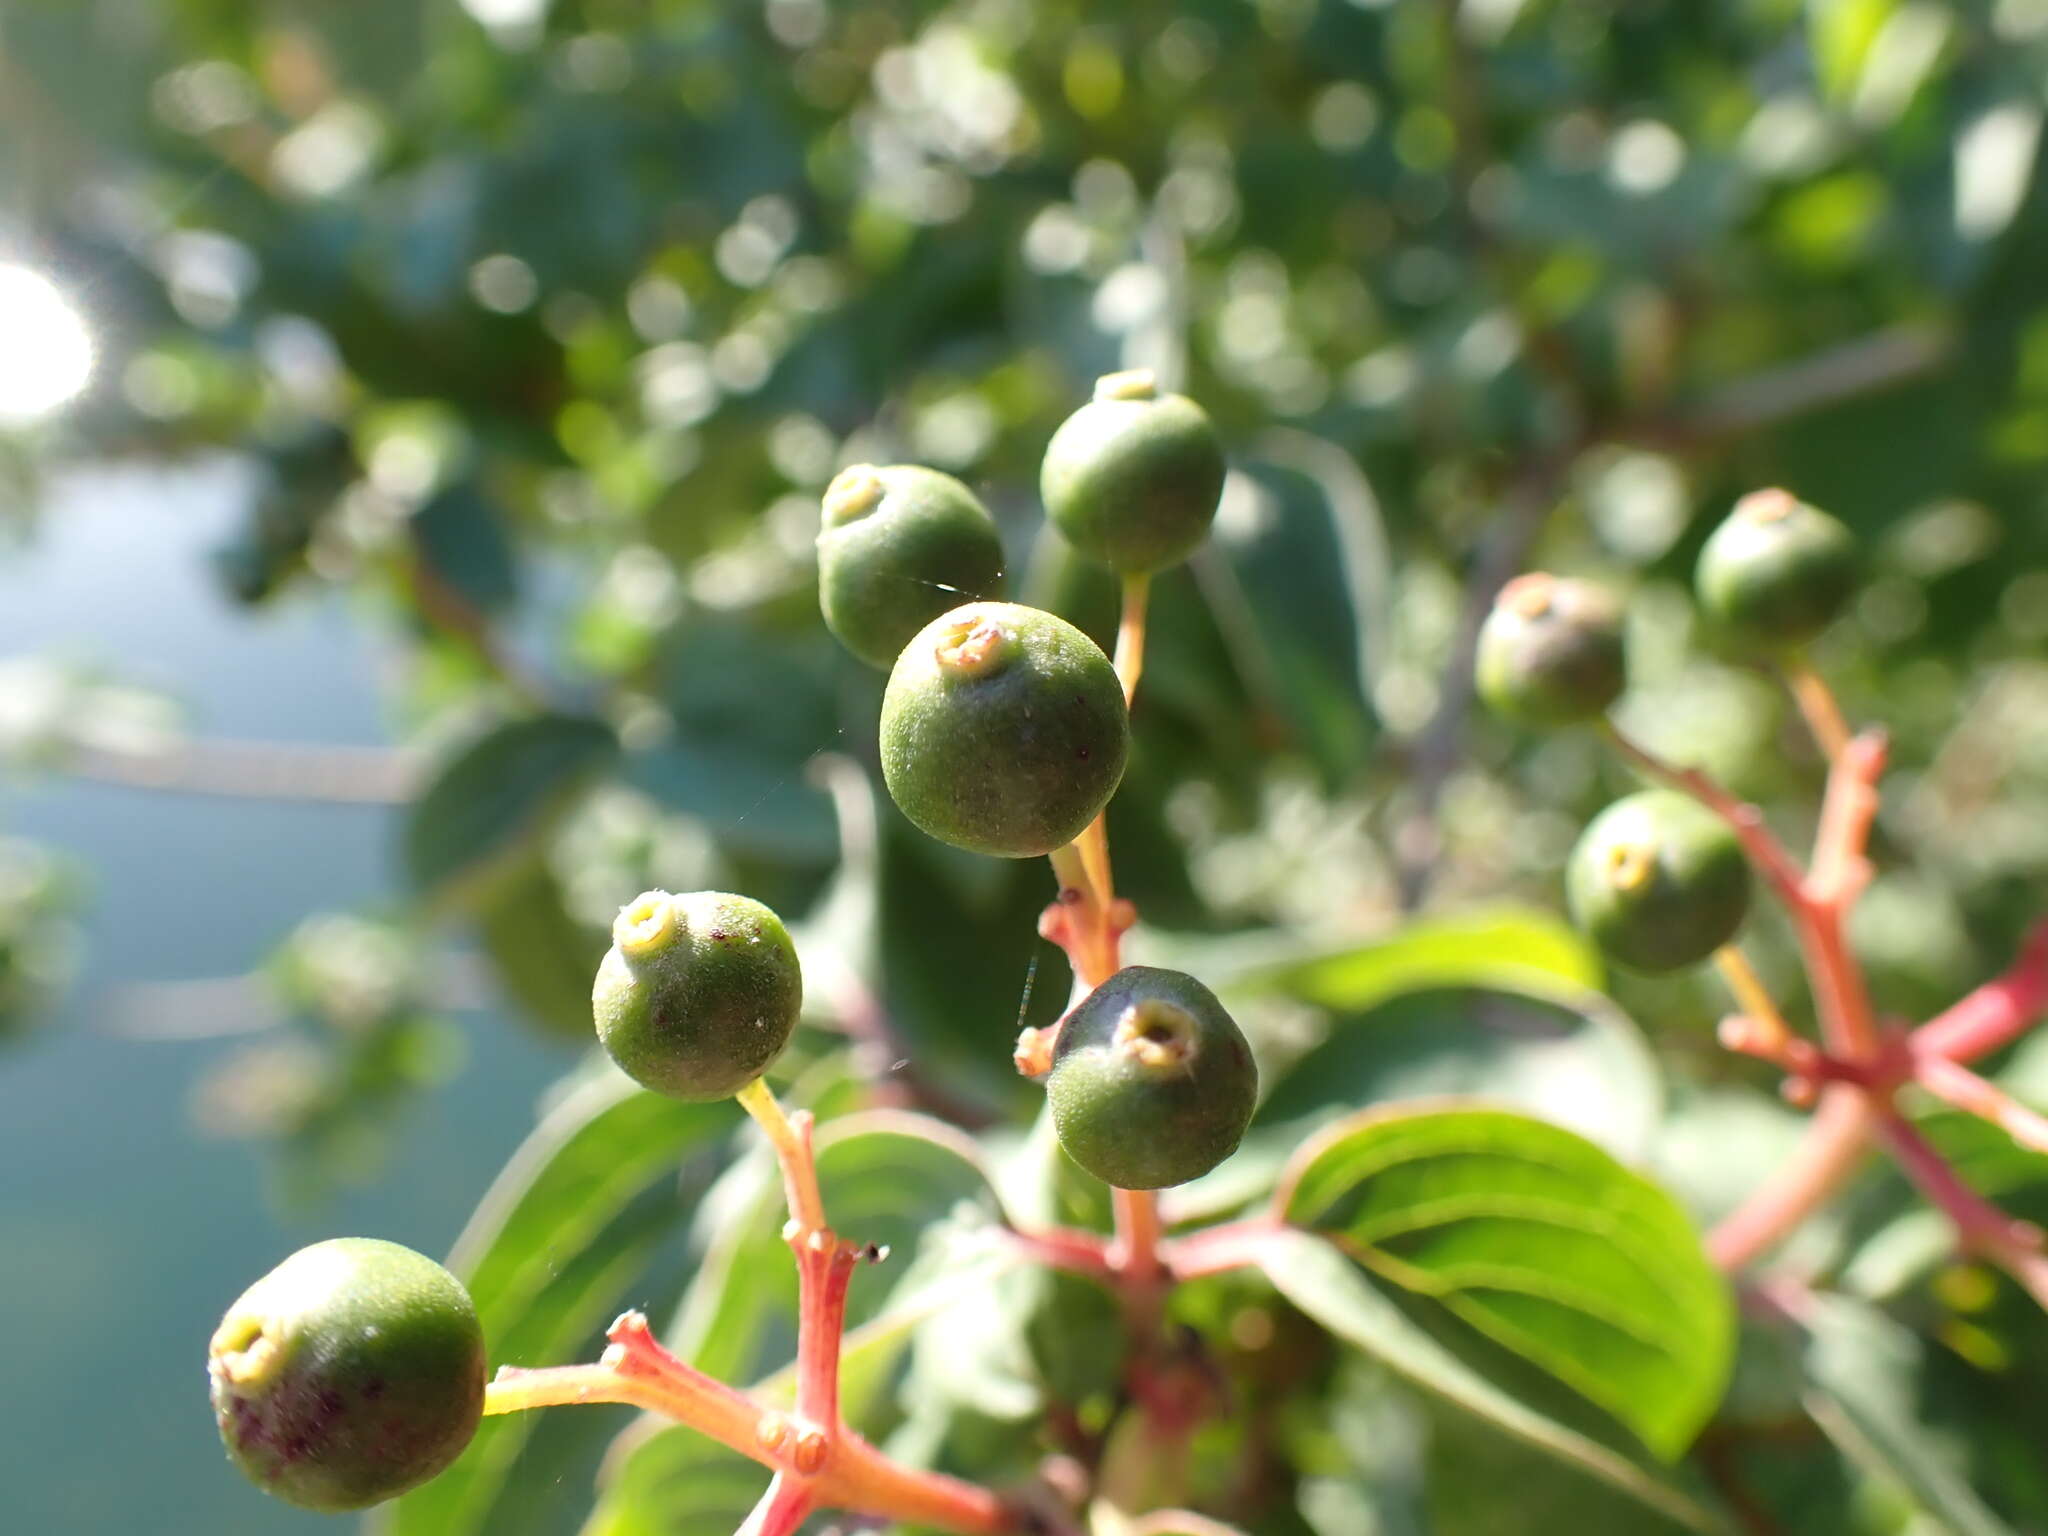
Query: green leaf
point(1475, 1479)
point(1539, 1240)
point(1864, 1371)
point(496, 797)
point(552, 1251)
point(1320, 1280)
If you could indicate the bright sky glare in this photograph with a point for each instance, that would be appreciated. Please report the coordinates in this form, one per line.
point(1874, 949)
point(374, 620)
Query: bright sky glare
point(46, 351)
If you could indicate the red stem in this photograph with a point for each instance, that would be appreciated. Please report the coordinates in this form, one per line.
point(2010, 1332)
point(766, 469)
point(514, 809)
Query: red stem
point(1836, 1143)
point(1135, 1252)
point(1769, 855)
point(1981, 1227)
point(723, 1412)
point(782, 1510)
point(824, 1266)
point(1959, 1086)
point(1217, 1250)
point(1080, 1253)
point(857, 1476)
point(1997, 1013)
point(1862, 1064)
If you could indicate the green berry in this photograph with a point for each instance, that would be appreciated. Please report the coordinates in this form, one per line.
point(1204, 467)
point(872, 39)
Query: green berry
point(348, 1374)
point(698, 993)
point(1133, 477)
point(1550, 652)
point(1004, 730)
point(1776, 572)
point(898, 547)
point(1152, 1083)
point(1658, 882)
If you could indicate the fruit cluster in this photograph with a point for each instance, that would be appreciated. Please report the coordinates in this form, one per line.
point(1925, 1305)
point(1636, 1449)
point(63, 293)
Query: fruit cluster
point(1658, 881)
point(355, 1370)
point(1005, 730)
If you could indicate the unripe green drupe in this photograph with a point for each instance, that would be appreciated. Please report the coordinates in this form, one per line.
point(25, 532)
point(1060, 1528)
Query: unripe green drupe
point(348, 1374)
point(900, 545)
point(1004, 730)
point(1152, 1083)
point(1550, 652)
point(1133, 477)
point(698, 993)
point(1776, 572)
point(1658, 882)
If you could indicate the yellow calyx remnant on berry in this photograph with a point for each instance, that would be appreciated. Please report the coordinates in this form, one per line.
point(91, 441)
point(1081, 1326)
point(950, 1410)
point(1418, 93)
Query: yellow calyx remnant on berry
point(974, 648)
point(854, 492)
point(644, 925)
point(1156, 1034)
point(1131, 384)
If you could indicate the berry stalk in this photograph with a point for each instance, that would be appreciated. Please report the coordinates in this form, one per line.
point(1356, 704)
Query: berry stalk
point(1130, 633)
point(635, 1369)
point(1816, 702)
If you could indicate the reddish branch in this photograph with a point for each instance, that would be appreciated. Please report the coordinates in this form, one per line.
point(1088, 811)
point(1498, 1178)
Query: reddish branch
point(818, 1461)
point(1854, 1072)
point(1997, 1013)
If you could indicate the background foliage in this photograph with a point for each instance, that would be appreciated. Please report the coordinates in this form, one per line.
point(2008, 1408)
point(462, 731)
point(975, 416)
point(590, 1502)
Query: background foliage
point(541, 327)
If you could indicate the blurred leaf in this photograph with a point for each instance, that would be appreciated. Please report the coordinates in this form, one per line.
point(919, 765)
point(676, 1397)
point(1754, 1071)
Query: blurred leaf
point(1476, 1479)
point(1358, 528)
point(1840, 33)
point(1507, 949)
point(1718, 1144)
point(1539, 1240)
point(751, 709)
point(549, 1255)
point(1865, 1374)
point(462, 536)
point(543, 958)
point(1292, 576)
point(755, 801)
point(1316, 1277)
point(1576, 1061)
point(495, 798)
point(699, 1488)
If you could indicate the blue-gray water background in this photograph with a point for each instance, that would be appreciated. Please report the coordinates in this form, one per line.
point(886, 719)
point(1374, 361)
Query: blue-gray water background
point(124, 1232)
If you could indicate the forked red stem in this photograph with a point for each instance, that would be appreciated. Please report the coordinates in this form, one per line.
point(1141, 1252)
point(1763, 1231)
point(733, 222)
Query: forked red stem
point(1854, 1074)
